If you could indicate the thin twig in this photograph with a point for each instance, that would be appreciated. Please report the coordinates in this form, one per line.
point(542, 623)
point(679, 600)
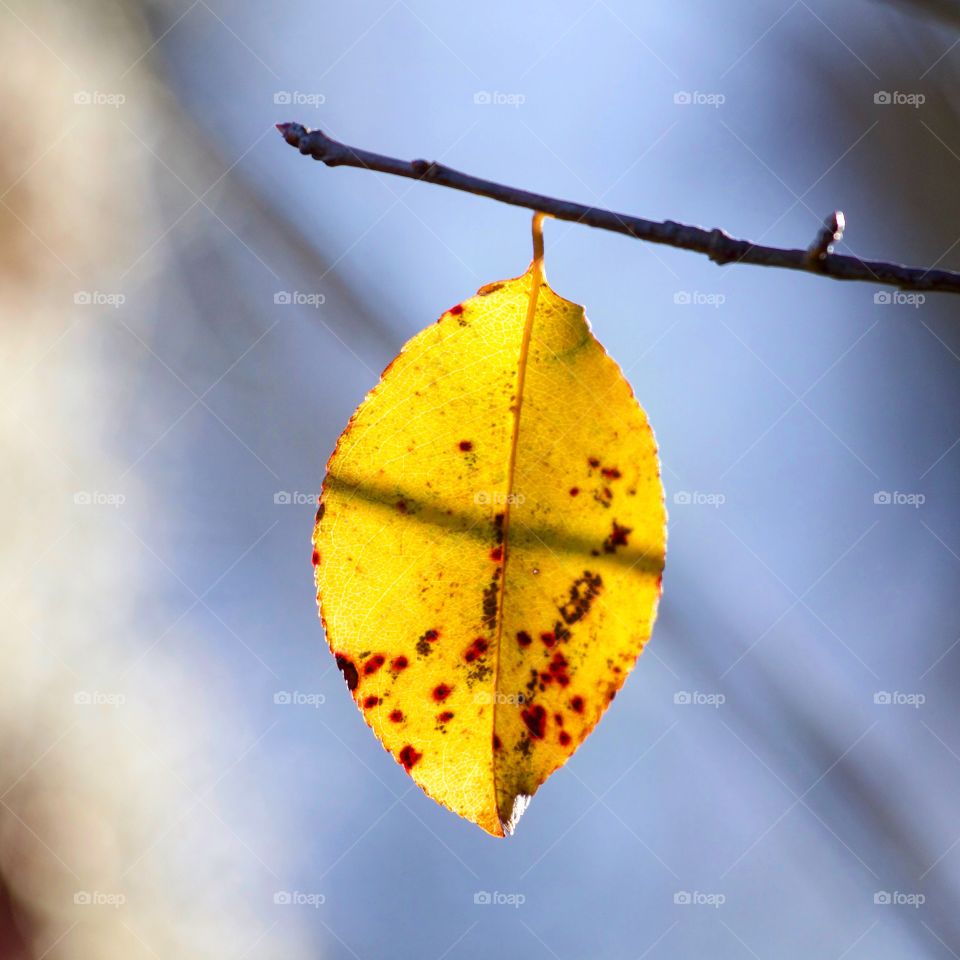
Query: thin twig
point(719, 246)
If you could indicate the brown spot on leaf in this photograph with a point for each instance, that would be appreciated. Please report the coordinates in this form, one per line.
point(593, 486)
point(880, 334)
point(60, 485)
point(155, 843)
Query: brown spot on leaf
point(346, 666)
point(576, 704)
point(524, 638)
point(618, 538)
point(583, 591)
point(594, 462)
point(320, 511)
point(491, 595)
point(423, 644)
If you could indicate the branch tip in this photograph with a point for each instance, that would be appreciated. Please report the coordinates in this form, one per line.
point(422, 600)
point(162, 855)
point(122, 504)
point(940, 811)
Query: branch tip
point(830, 233)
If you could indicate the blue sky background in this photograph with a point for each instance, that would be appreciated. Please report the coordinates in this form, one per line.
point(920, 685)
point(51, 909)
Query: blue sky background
point(790, 399)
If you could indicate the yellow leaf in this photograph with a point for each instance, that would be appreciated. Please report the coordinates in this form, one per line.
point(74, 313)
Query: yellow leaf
point(489, 546)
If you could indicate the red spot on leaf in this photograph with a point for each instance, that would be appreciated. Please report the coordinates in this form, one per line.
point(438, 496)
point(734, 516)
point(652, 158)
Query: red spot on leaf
point(374, 664)
point(536, 720)
point(564, 738)
point(466, 446)
point(524, 638)
point(441, 691)
point(457, 310)
point(558, 669)
point(402, 506)
point(399, 663)
point(594, 462)
point(445, 717)
point(576, 704)
point(497, 745)
point(396, 715)
point(496, 554)
point(476, 649)
point(316, 557)
point(574, 491)
point(409, 756)
point(370, 702)
point(611, 473)
point(549, 638)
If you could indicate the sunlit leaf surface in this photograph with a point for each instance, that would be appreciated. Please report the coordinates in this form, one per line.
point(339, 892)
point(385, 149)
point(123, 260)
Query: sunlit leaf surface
point(489, 547)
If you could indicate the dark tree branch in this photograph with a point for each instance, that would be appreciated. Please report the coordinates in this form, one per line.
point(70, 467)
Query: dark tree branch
point(717, 245)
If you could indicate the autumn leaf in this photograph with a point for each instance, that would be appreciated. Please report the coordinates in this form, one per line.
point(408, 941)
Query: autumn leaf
point(489, 546)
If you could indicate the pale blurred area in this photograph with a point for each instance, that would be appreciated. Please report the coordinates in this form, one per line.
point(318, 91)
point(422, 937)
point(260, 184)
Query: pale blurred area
point(191, 311)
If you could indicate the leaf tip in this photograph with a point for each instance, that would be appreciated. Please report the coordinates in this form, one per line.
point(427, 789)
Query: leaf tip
point(517, 809)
